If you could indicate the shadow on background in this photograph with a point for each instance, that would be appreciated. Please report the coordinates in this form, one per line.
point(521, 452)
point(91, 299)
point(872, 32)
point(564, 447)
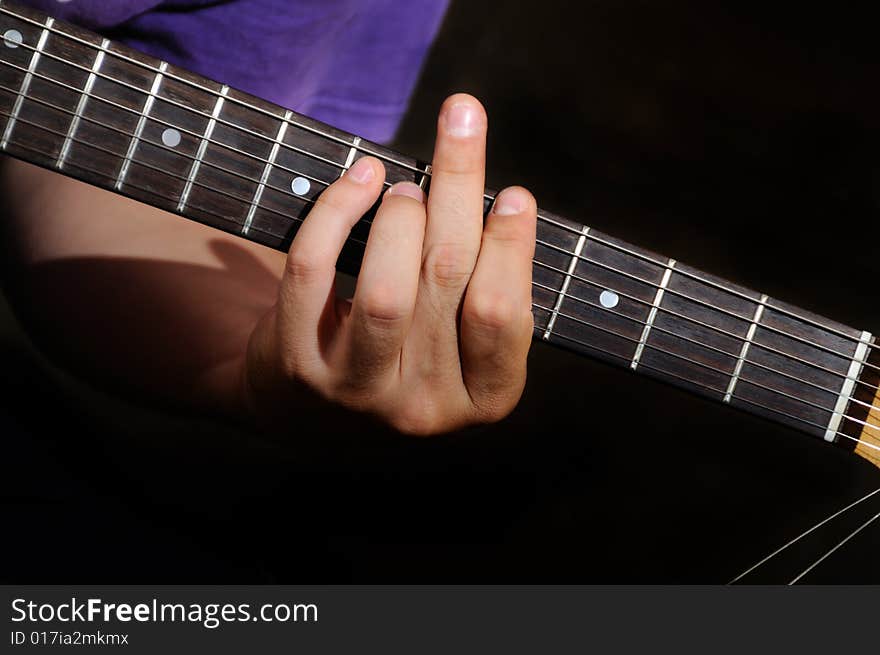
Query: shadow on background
point(739, 140)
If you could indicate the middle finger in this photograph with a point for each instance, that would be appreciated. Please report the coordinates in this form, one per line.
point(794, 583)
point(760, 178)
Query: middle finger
point(455, 203)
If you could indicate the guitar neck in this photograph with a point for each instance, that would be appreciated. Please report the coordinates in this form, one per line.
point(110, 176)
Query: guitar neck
point(113, 117)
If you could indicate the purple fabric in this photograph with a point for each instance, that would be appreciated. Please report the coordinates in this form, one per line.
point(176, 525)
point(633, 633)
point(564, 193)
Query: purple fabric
point(350, 63)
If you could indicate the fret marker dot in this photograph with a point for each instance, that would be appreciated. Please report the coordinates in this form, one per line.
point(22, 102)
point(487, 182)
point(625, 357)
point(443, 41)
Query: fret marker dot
point(608, 299)
point(300, 186)
point(12, 38)
point(171, 138)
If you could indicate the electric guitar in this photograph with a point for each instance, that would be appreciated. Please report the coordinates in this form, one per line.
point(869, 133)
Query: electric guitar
point(74, 102)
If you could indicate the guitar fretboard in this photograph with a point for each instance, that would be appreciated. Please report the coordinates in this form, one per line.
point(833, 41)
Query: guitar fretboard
point(108, 115)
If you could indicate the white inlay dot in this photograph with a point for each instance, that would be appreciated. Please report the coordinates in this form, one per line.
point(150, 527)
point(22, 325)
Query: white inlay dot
point(171, 138)
point(608, 299)
point(12, 38)
point(300, 186)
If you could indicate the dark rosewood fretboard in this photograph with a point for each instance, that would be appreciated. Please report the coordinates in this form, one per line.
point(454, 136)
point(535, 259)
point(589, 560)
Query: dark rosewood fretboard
point(111, 116)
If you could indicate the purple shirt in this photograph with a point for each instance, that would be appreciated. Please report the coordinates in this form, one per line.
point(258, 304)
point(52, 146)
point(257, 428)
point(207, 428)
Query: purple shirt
point(350, 63)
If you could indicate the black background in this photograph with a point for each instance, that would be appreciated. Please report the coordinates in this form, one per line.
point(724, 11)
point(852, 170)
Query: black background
point(738, 139)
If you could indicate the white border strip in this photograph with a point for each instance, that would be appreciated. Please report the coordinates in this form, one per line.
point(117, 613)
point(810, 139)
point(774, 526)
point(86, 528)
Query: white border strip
point(574, 262)
point(655, 306)
point(855, 370)
point(157, 81)
point(759, 311)
point(26, 83)
point(81, 105)
point(203, 147)
point(267, 169)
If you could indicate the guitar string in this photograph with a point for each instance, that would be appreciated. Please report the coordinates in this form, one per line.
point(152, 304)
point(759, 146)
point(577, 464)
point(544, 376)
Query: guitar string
point(709, 326)
point(576, 231)
point(803, 534)
point(270, 140)
point(321, 181)
point(578, 299)
point(656, 287)
point(708, 282)
point(705, 387)
point(585, 302)
point(720, 371)
point(834, 549)
point(367, 222)
point(573, 230)
point(188, 82)
point(160, 121)
point(588, 324)
point(699, 278)
point(214, 94)
point(172, 175)
point(286, 193)
point(584, 344)
point(733, 356)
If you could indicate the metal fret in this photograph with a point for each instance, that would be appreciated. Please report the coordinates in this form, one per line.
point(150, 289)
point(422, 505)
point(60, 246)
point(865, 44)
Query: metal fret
point(759, 311)
point(636, 282)
point(562, 291)
point(154, 89)
point(282, 130)
point(423, 183)
point(26, 83)
point(203, 146)
point(351, 155)
point(846, 391)
point(655, 306)
point(81, 105)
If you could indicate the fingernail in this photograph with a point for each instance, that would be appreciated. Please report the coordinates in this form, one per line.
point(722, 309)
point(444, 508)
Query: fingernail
point(463, 119)
point(407, 189)
point(509, 202)
point(361, 172)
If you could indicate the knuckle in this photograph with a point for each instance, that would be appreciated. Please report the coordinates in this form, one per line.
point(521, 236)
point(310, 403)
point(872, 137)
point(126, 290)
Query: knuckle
point(496, 412)
point(447, 266)
point(294, 368)
point(490, 310)
point(354, 392)
point(458, 168)
point(420, 413)
point(381, 304)
point(301, 268)
point(298, 376)
point(495, 407)
point(419, 419)
point(289, 367)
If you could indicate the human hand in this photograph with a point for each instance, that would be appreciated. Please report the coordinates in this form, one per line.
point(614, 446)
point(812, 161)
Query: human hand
point(437, 333)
